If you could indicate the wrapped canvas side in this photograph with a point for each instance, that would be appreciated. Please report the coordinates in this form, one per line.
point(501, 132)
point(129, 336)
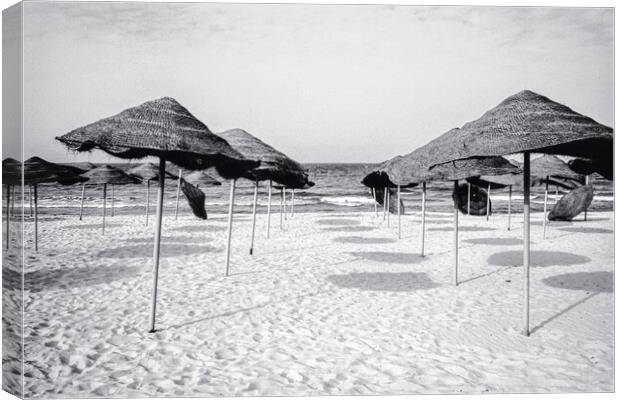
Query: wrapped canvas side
point(12, 203)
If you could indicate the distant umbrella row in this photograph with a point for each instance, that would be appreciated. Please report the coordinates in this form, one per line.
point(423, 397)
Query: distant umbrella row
point(522, 124)
point(37, 171)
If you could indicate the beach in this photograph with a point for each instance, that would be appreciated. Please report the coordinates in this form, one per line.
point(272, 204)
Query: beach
point(333, 303)
point(224, 199)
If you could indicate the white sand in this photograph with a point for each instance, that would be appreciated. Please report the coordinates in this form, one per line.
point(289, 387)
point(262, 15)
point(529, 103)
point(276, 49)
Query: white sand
point(334, 304)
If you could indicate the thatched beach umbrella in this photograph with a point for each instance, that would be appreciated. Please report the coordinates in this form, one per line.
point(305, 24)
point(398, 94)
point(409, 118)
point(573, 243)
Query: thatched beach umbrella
point(413, 168)
point(497, 182)
point(587, 167)
point(274, 166)
point(176, 204)
point(11, 175)
point(546, 166)
point(85, 166)
point(162, 128)
point(572, 203)
point(524, 123)
point(146, 173)
point(37, 171)
point(199, 179)
point(381, 188)
point(106, 175)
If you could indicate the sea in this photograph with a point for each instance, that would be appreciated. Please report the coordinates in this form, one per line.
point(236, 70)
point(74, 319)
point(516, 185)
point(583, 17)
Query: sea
point(338, 189)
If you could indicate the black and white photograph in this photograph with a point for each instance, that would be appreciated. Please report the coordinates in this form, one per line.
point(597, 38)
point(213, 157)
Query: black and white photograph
point(286, 199)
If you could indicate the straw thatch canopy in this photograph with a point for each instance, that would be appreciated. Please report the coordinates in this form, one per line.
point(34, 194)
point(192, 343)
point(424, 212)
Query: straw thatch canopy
point(477, 204)
point(11, 171)
point(195, 198)
point(496, 181)
point(571, 204)
point(588, 167)
point(568, 184)
point(148, 172)
point(379, 179)
point(37, 170)
point(414, 167)
point(81, 165)
point(107, 174)
point(274, 165)
point(201, 178)
point(546, 165)
point(552, 166)
point(530, 122)
point(161, 128)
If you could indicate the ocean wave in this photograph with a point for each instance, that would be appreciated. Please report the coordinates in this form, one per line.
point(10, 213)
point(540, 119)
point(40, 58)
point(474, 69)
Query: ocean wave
point(603, 198)
point(550, 198)
point(506, 198)
point(350, 201)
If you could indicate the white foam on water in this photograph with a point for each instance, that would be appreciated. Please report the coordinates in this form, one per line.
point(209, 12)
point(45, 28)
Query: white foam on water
point(603, 198)
point(351, 201)
point(506, 198)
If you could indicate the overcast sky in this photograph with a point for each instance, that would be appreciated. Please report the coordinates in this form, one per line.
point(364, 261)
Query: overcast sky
point(320, 83)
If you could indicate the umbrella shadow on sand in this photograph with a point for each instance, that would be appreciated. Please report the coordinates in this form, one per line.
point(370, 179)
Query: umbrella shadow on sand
point(590, 219)
point(495, 241)
point(146, 250)
point(65, 278)
point(384, 281)
point(90, 226)
point(362, 240)
point(592, 283)
point(539, 258)
point(434, 221)
point(348, 229)
point(238, 217)
point(168, 239)
point(388, 256)
point(199, 228)
point(463, 229)
point(551, 224)
point(585, 229)
point(338, 221)
point(28, 219)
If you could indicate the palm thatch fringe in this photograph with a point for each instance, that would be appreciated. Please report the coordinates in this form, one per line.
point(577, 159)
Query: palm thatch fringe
point(195, 198)
point(496, 181)
point(552, 166)
point(107, 174)
point(37, 170)
point(202, 179)
point(148, 172)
